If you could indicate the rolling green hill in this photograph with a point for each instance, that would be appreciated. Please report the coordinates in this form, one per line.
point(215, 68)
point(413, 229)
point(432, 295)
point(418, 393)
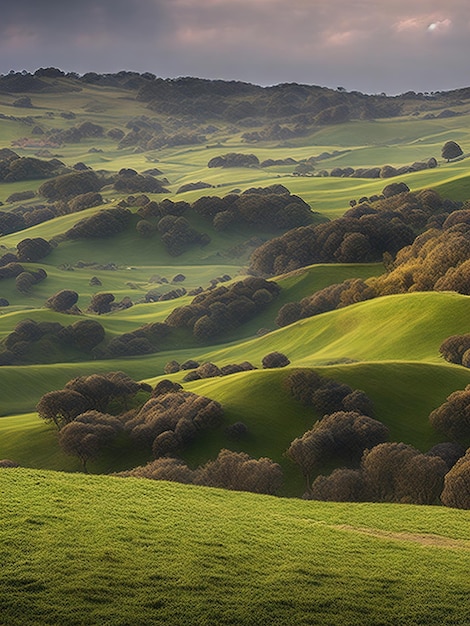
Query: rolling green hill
point(101, 550)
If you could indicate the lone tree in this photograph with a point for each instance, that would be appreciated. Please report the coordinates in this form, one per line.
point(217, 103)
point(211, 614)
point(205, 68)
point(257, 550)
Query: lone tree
point(451, 150)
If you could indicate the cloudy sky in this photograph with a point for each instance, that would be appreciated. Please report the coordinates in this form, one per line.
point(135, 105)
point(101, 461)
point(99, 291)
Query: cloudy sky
point(365, 45)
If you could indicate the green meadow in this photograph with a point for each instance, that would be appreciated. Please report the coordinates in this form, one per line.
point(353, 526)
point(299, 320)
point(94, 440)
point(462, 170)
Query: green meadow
point(99, 550)
point(81, 549)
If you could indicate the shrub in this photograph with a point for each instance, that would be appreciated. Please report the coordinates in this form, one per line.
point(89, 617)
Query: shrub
point(33, 249)
point(238, 471)
point(342, 485)
point(452, 418)
point(396, 472)
point(275, 359)
point(164, 468)
point(456, 491)
point(63, 301)
point(101, 303)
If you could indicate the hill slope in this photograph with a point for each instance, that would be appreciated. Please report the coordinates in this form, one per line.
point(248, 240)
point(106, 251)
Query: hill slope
point(161, 553)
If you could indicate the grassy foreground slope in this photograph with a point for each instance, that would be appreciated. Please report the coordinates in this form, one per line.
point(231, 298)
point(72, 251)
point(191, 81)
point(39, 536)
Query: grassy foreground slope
point(99, 550)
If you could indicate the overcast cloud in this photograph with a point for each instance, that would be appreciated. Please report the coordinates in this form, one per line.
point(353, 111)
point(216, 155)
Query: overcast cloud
point(367, 45)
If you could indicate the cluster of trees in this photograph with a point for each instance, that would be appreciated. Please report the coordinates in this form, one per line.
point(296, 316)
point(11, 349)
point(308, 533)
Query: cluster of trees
point(144, 340)
point(31, 250)
point(79, 412)
point(222, 309)
point(236, 102)
point(452, 418)
point(437, 260)
point(327, 299)
point(326, 395)
point(388, 472)
point(364, 234)
point(210, 370)
point(269, 206)
point(14, 168)
point(178, 235)
point(128, 180)
point(376, 470)
point(105, 223)
point(341, 435)
point(234, 159)
point(25, 216)
point(230, 470)
point(148, 138)
point(456, 349)
point(166, 218)
point(384, 171)
point(24, 279)
point(86, 393)
point(37, 342)
point(74, 134)
point(171, 419)
point(65, 186)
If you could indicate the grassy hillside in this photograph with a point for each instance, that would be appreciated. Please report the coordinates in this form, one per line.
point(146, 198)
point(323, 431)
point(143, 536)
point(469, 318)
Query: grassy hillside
point(173, 554)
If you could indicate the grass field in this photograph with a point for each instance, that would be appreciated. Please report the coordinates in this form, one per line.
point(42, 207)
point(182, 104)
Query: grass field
point(174, 554)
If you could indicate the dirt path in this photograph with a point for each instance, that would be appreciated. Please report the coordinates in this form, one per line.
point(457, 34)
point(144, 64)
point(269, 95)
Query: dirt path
point(436, 541)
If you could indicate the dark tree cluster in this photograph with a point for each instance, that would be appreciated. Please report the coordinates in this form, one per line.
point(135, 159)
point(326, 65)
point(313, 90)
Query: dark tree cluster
point(385, 171)
point(25, 281)
point(170, 421)
point(89, 434)
point(269, 207)
point(364, 234)
point(342, 435)
point(88, 393)
point(155, 296)
point(25, 216)
point(234, 159)
point(105, 223)
point(144, 340)
point(456, 491)
point(326, 395)
point(224, 308)
point(39, 342)
point(130, 181)
point(452, 418)
point(178, 235)
point(451, 150)
point(167, 219)
point(14, 168)
point(235, 102)
point(66, 186)
point(438, 260)
point(389, 472)
point(209, 370)
point(329, 298)
point(236, 471)
point(31, 250)
point(151, 138)
point(74, 134)
point(64, 301)
point(456, 349)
